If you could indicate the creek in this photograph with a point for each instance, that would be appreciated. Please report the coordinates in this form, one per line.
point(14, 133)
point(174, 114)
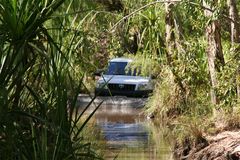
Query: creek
point(127, 132)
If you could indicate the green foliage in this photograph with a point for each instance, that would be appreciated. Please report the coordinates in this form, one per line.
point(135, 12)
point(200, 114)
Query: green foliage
point(192, 63)
point(144, 64)
point(191, 67)
point(39, 84)
point(49, 49)
point(228, 82)
point(191, 18)
point(165, 101)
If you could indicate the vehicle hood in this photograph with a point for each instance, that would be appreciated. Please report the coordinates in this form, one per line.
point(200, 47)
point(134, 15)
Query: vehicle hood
point(122, 79)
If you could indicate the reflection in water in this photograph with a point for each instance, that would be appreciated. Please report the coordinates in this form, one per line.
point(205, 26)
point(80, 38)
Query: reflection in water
point(128, 134)
point(125, 135)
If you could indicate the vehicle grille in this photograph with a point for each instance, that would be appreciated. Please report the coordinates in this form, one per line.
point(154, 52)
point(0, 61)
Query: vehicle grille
point(121, 87)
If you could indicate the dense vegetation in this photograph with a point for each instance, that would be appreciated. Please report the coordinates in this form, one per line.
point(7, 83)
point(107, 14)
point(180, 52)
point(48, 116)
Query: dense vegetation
point(50, 48)
point(41, 75)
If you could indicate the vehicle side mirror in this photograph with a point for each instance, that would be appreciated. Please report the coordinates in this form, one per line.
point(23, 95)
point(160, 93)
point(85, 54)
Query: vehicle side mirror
point(153, 76)
point(98, 72)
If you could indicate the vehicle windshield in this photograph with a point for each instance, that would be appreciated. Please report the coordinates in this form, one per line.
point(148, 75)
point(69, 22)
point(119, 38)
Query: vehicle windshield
point(120, 68)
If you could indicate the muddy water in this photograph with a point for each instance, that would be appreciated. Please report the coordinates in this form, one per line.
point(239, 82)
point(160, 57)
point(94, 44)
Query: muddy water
point(128, 134)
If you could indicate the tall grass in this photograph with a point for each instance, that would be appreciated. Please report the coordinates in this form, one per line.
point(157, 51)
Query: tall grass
point(38, 84)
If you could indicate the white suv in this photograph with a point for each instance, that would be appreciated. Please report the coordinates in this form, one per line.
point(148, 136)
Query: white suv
point(118, 80)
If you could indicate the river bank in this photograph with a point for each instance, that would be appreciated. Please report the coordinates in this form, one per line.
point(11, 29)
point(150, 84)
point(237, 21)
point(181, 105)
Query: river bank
point(206, 138)
point(223, 146)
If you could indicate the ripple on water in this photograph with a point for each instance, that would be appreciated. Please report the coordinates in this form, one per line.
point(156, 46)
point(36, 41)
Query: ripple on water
point(125, 135)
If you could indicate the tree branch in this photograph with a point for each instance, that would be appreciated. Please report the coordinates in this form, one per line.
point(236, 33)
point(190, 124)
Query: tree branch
point(211, 10)
point(139, 9)
point(165, 1)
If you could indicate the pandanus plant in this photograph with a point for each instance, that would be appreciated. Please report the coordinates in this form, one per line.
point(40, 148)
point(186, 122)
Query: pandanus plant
point(37, 90)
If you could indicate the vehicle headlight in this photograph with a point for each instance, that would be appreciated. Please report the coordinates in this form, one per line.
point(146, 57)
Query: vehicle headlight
point(101, 85)
point(144, 86)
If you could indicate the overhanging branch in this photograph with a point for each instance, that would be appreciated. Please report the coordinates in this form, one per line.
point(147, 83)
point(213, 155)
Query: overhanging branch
point(139, 9)
point(168, 1)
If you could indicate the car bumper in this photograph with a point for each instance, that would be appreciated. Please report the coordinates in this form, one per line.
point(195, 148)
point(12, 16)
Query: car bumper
point(135, 93)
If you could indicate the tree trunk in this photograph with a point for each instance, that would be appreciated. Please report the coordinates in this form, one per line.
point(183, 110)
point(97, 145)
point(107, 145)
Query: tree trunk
point(179, 34)
point(171, 45)
point(170, 37)
point(235, 36)
point(233, 14)
point(214, 52)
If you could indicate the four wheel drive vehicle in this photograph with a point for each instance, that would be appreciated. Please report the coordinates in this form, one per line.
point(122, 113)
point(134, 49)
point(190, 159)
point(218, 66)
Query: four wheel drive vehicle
point(119, 79)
